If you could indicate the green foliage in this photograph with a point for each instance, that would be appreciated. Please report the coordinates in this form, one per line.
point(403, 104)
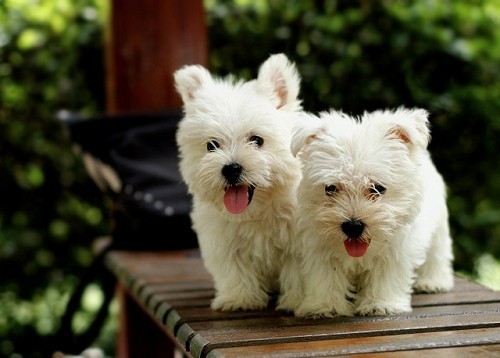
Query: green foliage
point(442, 55)
point(51, 59)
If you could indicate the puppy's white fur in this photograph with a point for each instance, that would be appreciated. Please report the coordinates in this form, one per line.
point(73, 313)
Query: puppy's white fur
point(377, 173)
point(235, 137)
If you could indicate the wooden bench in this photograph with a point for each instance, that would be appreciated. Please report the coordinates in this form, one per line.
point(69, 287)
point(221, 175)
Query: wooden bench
point(165, 312)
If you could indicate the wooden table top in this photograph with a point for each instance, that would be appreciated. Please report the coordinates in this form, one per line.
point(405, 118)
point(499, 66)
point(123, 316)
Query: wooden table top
point(175, 290)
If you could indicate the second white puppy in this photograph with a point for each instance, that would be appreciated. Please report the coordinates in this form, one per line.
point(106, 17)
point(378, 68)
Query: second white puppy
point(372, 214)
point(234, 144)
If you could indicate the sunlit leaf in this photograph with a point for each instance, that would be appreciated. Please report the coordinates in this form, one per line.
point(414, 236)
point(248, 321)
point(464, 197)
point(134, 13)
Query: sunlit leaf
point(30, 38)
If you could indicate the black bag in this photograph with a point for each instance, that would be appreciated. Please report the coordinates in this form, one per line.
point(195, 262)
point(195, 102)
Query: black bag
point(140, 151)
point(134, 159)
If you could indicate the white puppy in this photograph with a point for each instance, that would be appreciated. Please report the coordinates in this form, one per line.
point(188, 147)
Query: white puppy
point(234, 144)
point(372, 214)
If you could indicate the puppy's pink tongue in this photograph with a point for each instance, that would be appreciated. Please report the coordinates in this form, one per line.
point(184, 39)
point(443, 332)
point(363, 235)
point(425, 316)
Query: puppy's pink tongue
point(236, 198)
point(355, 247)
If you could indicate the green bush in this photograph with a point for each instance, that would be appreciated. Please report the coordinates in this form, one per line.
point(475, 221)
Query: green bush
point(442, 55)
point(51, 59)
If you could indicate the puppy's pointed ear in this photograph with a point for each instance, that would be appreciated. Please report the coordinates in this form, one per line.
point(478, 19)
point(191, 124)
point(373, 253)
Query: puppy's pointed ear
point(411, 126)
point(189, 79)
point(304, 133)
point(279, 80)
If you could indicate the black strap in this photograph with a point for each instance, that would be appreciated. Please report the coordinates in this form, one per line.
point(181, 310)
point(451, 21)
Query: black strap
point(65, 339)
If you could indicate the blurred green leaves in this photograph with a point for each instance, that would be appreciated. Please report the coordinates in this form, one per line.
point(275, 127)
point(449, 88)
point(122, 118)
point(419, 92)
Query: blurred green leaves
point(29, 177)
point(50, 59)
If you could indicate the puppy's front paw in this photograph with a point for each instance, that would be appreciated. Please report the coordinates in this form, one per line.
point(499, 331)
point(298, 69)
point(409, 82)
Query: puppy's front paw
point(428, 285)
point(226, 302)
point(381, 308)
point(319, 309)
point(288, 302)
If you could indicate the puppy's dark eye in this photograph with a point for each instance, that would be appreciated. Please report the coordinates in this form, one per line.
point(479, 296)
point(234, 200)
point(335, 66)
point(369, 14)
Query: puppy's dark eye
point(330, 190)
point(257, 140)
point(212, 145)
point(377, 189)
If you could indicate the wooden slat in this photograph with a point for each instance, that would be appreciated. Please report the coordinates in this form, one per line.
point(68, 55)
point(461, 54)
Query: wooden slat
point(484, 351)
point(463, 284)
point(246, 332)
point(177, 293)
point(180, 296)
point(367, 345)
point(454, 297)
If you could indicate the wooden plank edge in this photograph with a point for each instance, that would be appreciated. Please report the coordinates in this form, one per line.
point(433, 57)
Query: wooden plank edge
point(350, 346)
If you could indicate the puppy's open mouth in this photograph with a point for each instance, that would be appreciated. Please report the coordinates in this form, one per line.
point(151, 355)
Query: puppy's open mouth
point(356, 246)
point(238, 197)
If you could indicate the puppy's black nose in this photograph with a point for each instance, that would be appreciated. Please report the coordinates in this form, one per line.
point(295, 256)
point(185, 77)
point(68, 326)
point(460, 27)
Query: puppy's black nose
point(232, 172)
point(353, 228)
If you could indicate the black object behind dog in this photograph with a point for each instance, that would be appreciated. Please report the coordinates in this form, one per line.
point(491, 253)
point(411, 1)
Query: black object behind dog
point(134, 159)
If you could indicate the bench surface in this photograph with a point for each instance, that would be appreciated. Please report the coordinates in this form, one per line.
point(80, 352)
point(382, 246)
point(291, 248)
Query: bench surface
point(175, 290)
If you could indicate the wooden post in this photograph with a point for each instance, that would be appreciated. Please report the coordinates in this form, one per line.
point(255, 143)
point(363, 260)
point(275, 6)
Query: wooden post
point(139, 335)
point(146, 41)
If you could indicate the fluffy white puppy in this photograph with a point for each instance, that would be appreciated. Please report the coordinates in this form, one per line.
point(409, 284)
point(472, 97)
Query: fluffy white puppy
point(234, 145)
point(372, 214)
